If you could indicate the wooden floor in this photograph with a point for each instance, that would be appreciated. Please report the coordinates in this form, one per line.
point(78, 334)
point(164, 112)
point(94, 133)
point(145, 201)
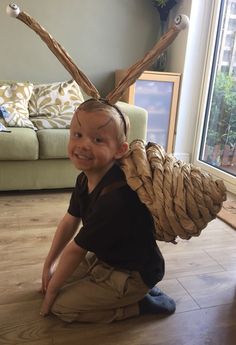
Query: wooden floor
point(200, 276)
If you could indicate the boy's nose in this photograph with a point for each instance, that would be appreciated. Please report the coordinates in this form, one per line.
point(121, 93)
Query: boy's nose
point(84, 143)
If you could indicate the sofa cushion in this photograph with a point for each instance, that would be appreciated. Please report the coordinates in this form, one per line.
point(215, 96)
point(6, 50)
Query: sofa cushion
point(55, 99)
point(20, 144)
point(62, 121)
point(53, 143)
point(15, 97)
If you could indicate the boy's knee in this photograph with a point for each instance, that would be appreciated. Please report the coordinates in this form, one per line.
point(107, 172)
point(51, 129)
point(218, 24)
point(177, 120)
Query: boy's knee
point(63, 313)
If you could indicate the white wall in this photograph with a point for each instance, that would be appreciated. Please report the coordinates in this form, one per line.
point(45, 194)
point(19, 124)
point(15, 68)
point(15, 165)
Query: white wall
point(100, 36)
point(188, 54)
point(177, 50)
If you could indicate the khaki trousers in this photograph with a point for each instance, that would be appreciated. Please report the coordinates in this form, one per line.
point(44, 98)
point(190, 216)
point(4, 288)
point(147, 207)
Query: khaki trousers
point(99, 293)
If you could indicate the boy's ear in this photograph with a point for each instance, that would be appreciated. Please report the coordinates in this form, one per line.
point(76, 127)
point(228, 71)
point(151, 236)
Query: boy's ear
point(122, 150)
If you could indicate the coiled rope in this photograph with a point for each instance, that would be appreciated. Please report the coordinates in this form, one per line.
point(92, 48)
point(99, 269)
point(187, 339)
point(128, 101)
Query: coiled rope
point(181, 197)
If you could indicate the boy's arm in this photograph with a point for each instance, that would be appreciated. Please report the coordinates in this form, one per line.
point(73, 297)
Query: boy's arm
point(64, 233)
point(69, 261)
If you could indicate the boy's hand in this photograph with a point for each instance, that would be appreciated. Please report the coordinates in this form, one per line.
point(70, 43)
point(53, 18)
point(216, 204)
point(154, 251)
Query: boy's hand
point(69, 261)
point(48, 302)
point(46, 276)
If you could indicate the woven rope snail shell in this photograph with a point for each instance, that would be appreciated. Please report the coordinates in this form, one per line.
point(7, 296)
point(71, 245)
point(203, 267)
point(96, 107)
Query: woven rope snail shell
point(181, 198)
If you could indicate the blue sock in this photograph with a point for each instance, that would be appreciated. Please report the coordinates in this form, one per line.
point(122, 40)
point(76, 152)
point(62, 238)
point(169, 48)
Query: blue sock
point(157, 304)
point(155, 291)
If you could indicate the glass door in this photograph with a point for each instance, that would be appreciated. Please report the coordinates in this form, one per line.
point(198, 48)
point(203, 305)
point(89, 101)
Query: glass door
point(217, 139)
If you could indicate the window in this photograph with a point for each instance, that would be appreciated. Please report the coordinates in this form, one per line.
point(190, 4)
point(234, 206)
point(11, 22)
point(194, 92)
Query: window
point(224, 69)
point(232, 24)
point(227, 55)
point(229, 42)
point(233, 8)
point(218, 143)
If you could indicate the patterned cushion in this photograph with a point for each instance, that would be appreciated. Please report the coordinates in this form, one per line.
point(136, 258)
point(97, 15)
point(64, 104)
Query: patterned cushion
point(62, 121)
point(3, 114)
point(2, 119)
point(55, 99)
point(15, 97)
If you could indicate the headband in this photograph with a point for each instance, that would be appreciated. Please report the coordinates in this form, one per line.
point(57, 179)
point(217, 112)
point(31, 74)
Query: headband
point(105, 101)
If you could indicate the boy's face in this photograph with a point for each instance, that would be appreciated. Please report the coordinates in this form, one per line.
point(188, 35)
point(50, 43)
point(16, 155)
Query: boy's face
point(93, 145)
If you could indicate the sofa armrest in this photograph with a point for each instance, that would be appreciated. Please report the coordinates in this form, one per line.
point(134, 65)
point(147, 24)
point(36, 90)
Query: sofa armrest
point(138, 120)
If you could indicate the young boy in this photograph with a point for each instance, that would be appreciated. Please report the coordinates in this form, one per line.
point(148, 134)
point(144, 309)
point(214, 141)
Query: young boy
point(108, 270)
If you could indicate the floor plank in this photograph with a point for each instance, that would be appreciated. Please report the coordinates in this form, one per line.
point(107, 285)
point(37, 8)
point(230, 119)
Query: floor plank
point(200, 276)
point(210, 290)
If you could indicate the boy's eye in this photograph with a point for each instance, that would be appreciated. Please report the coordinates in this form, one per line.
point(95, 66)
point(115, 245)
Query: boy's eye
point(98, 140)
point(77, 135)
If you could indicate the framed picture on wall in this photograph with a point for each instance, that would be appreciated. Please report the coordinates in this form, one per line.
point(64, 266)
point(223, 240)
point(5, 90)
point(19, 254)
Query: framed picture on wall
point(158, 93)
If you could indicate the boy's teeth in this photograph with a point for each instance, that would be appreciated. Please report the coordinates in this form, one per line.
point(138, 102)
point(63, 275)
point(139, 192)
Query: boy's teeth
point(82, 156)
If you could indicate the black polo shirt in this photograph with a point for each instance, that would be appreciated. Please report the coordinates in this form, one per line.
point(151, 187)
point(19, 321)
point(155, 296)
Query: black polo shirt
point(117, 227)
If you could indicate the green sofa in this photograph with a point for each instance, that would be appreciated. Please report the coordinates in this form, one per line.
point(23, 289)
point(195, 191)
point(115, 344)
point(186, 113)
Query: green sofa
point(32, 160)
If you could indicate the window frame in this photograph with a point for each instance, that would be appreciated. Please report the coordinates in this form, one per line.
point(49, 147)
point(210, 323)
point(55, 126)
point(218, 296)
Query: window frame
point(206, 95)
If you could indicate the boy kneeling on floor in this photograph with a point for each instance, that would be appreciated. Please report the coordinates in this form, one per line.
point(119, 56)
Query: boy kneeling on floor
point(109, 270)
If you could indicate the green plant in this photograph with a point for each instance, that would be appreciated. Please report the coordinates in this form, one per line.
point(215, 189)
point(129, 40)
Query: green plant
point(161, 3)
point(164, 7)
point(222, 121)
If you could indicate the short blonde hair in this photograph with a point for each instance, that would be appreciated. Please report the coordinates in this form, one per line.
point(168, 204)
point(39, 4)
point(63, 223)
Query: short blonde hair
point(121, 119)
